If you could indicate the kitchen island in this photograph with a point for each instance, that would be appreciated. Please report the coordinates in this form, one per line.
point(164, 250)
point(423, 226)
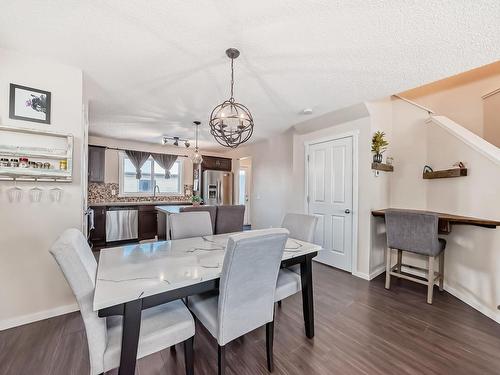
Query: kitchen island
point(164, 211)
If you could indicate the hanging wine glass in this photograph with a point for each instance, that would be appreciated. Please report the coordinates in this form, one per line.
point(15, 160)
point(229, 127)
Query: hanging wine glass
point(15, 194)
point(56, 194)
point(36, 194)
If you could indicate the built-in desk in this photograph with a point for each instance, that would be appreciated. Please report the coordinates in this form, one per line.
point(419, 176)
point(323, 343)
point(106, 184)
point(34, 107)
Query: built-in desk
point(446, 221)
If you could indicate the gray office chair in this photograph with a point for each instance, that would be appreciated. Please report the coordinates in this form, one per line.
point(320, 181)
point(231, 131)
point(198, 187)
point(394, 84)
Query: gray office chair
point(212, 210)
point(301, 227)
point(190, 224)
point(229, 219)
point(415, 232)
point(246, 293)
point(161, 327)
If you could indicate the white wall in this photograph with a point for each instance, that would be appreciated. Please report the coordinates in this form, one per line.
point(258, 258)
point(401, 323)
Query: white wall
point(378, 187)
point(459, 97)
point(472, 257)
point(32, 286)
point(271, 178)
point(472, 260)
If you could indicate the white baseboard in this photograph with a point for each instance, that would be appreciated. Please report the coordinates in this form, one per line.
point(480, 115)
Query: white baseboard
point(489, 312)
point(361, 275)
point(378, 271)
point(372, 274)
point(40, 315)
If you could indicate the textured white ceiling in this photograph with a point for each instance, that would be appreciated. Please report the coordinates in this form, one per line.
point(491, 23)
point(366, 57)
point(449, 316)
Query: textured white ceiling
point(152, 67)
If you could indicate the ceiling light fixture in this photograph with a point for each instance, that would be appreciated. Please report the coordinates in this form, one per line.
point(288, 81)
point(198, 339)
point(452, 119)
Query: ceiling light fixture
point(175, 140)
point(231, 123)
point(196, 157)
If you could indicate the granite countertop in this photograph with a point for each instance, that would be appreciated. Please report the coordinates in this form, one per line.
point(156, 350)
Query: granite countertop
point(143, 203)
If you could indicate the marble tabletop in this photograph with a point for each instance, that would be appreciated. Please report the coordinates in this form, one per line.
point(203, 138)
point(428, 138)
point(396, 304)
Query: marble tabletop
point(129, 272)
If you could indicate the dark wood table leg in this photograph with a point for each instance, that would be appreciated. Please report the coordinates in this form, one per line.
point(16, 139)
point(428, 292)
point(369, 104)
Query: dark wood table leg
point(130, 336)
point(307, 295)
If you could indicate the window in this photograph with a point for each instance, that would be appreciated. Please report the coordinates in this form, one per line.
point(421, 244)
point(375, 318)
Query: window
point(152, 175)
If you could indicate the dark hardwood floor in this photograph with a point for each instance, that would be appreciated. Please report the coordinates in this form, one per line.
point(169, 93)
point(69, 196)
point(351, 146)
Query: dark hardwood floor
point(360, 329)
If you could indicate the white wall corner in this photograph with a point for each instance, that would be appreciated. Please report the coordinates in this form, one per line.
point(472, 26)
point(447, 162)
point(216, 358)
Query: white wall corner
point(377, 271)
point(365, 276)
point(482, 308)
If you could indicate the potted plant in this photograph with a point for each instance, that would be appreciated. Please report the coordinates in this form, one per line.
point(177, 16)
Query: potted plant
point(379, 145)
point(196, 199)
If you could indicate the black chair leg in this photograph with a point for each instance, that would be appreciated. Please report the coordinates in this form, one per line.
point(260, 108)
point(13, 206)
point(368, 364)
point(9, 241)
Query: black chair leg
point(269, 345)
point(221, 360)
point(189, 356)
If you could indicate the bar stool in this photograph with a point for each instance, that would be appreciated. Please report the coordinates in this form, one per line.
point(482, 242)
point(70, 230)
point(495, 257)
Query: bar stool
point(415, 232)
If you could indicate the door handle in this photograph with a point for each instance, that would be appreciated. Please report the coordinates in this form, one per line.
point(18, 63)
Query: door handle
point(347, 211)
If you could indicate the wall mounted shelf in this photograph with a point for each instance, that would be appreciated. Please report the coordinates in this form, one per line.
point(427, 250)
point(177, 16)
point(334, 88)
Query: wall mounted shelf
point(383, 167)
point(446, 173)
point(37, 146)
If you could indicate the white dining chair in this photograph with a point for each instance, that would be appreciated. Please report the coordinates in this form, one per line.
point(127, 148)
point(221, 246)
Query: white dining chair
point(301, 227)
point(246, 292)
point(161, 327)
point(190, 224)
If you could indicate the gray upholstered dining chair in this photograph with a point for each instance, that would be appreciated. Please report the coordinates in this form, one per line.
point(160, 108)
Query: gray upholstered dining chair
point(229, 219)
point(190, 224)
point(301, 227)
point(161, 327)
point(246, 292)
point(415, 232)
point(212, 210)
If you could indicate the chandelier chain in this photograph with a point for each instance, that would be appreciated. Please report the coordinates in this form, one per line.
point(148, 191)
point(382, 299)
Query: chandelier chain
point(232, 79)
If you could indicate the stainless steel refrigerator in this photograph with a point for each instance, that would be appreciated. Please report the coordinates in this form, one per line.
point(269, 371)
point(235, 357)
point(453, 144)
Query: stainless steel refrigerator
point(217, 187)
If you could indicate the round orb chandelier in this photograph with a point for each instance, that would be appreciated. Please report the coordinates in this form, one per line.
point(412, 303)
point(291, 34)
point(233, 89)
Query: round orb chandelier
point(231, 123)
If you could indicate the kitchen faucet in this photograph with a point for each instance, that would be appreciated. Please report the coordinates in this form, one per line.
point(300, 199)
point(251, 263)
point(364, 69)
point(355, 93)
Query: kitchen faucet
point(154, 191)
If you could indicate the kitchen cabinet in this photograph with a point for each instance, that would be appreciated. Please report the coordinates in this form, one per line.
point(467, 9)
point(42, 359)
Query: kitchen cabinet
point(97, 159)
point(216, 163)
point(147, 225)
point(148, 222)
point(98, 234)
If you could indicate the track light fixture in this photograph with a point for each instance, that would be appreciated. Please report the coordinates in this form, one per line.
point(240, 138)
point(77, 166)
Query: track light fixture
point(175, 141)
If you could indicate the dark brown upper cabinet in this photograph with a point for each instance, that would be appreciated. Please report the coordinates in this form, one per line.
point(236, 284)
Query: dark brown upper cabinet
point(216, 163)
point(97, 158)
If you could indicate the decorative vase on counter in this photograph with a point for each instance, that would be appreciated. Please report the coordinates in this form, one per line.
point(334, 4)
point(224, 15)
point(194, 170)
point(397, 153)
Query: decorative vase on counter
point(377, 158)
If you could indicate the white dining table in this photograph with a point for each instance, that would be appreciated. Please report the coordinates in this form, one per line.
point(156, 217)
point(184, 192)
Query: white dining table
point(135, 277)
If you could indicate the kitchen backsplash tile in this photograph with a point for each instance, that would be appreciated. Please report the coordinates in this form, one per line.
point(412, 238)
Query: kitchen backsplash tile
point(102, 193)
